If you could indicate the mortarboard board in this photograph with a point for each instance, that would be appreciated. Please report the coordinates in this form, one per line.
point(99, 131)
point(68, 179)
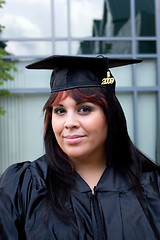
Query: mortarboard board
point(77, 71)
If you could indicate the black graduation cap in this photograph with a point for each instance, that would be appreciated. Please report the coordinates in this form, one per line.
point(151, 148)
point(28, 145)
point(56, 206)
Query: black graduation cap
point(77, 71)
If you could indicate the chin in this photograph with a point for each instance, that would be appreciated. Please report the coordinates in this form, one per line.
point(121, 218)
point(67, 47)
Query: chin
point(74, 151)
point(76, 155)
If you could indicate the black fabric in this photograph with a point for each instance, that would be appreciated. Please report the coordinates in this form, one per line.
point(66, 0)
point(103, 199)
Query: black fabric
point(75, 71)
point(66, 61)
point(113, 213)
point(67, 78)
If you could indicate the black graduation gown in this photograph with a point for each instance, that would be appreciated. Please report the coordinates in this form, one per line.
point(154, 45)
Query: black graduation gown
point(113, 213)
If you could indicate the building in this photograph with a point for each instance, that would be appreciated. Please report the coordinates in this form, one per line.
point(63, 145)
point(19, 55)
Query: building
point(114, 28)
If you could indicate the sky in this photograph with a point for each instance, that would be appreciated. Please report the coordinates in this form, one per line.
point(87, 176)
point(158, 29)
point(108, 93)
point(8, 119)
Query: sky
point(34, 19)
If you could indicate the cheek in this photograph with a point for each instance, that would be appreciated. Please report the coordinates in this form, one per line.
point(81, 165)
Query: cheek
point(99, 121)
point(102, 126)
point(97, 126)
point(102, 129)
point(57, 126)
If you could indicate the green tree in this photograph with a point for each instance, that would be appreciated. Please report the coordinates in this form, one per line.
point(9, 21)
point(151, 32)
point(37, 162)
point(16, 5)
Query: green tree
point(5, 66)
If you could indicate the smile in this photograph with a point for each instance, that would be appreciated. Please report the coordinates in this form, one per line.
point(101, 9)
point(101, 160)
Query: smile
point(73, 139)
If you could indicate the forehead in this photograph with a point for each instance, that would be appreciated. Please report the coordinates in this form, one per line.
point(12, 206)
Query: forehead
point(62, 95)
point(81, 95)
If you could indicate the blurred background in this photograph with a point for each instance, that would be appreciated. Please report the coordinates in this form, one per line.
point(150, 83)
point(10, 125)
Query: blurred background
point(114, 28)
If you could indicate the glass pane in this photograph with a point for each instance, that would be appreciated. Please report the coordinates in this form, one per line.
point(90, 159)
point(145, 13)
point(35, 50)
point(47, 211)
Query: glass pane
point(26, 48)
point(146, 47)
point(61, 47)
point(60, 17)
point(123, 76)
point(103, 18)
point(33, 125)
point(29, 18)
point(101, 47)
point(28, 78)
point(126, 101)
point(21, 129)
point(145, 17)
point(147, 124)
point(146, 73)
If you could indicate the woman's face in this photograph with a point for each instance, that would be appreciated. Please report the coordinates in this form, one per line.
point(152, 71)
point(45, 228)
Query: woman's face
point(80, 128)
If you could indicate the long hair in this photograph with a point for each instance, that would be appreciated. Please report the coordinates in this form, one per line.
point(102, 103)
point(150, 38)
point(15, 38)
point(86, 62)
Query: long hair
point(123, 154)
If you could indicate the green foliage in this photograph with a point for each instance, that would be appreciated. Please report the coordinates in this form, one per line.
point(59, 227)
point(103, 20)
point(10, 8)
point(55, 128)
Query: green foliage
point(1, 3)
point(5, 67)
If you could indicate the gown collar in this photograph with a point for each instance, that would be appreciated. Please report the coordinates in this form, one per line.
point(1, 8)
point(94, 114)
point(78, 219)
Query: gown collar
point(112, 179)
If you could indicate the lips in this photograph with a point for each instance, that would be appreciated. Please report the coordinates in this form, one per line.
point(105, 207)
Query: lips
point(73, 139)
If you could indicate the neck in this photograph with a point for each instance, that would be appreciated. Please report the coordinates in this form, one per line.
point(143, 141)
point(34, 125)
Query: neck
point(91, 175)
point(90, 170)
point(94, 160)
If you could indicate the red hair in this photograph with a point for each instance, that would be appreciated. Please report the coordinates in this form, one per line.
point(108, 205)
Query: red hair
point(92, 94)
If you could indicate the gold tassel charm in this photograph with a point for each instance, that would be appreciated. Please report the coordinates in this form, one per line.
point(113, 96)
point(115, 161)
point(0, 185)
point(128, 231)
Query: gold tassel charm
point(109, 80)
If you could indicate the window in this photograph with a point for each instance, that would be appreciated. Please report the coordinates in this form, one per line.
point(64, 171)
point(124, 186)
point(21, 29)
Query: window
point(114, 28)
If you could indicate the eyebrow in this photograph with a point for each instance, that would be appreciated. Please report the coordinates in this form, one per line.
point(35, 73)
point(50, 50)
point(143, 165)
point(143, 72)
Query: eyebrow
point(60, 105)
point(77, 103)
point(82, 102)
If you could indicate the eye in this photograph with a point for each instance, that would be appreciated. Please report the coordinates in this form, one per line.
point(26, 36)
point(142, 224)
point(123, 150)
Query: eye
point(85, 109)
point(59, 111)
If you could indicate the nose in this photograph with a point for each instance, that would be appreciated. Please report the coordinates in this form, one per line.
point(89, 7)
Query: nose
point(71, 121)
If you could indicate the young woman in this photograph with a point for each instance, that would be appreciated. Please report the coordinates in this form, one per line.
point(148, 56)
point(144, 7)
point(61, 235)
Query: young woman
point(92, 183)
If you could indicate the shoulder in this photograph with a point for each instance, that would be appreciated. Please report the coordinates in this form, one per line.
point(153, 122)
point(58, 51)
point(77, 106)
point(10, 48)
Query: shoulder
point(150, 176)
point(20, 186)
point(151, 181)
point(19, 176)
